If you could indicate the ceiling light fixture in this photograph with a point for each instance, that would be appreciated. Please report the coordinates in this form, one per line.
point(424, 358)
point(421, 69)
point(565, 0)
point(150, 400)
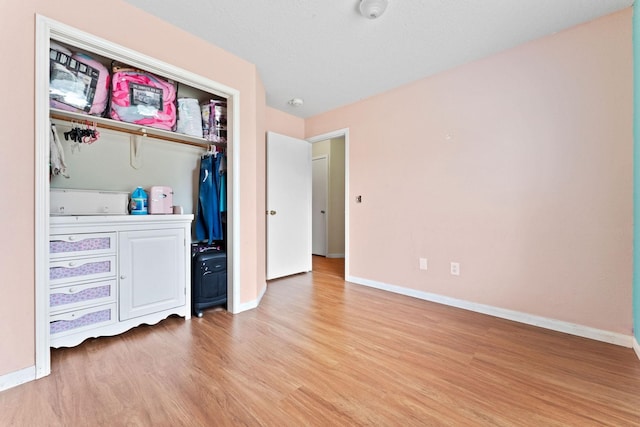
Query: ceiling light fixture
point(372, 9)
point(296, 102)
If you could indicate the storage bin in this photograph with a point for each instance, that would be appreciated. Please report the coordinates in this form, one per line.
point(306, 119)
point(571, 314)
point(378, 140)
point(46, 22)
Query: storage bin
point(88, 202)
point(142, 98)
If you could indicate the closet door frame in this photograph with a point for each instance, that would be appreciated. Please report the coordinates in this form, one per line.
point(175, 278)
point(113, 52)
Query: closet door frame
point(47, 29)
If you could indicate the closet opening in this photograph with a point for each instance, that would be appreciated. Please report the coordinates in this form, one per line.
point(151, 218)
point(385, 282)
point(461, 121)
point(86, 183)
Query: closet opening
point(141, 145)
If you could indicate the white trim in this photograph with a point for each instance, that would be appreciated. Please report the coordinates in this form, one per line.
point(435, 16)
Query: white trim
point(335, 255)
point(517, 316)
point(337, 134)
point(41, 220)
point(233, 201)
point(250, 305)
point(16, 378)
point(636, 347)
point(47, 29)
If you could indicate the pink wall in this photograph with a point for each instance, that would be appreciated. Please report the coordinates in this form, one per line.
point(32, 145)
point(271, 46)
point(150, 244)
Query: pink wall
point(283, 123)
point(517, 166)
point(17, 157)
point(123, 24)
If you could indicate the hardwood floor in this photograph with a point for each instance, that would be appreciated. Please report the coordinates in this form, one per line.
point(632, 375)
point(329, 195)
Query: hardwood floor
point(319, 351)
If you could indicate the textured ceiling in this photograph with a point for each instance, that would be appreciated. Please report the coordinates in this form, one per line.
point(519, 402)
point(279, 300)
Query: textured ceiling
point(326, 53)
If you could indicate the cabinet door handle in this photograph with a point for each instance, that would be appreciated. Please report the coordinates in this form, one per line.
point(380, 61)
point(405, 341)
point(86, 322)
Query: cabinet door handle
point(72, 290)
point(72, 238)
point(123, 277)
point(72, 264)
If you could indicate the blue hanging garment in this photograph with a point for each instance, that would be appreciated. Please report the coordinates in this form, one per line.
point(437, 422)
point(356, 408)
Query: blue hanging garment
point(222, 183)
point(223, 192)
point(208, 221)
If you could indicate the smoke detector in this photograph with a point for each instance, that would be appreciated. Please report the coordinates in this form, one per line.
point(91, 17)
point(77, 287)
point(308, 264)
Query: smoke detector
point(296, 102)
point(372, 9)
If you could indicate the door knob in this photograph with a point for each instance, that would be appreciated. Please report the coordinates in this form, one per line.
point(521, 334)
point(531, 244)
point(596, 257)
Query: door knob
point(321, 211)
point(272, 212)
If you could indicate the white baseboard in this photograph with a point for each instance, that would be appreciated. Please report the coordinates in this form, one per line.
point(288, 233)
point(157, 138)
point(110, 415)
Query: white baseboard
point(636, 347)
point(517, 316)
point(16, 378)
point(335, 255)
point(250, 305)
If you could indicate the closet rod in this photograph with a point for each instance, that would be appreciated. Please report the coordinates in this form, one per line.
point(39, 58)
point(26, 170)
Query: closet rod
point(132, 128)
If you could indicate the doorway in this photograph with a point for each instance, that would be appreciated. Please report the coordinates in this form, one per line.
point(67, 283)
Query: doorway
point(319, 199)
point(335, 147)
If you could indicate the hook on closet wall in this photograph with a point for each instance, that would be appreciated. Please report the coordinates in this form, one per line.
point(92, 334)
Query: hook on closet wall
point(135, 156)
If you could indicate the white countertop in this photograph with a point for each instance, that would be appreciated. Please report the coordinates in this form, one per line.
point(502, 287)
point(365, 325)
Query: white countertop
point(117, 219)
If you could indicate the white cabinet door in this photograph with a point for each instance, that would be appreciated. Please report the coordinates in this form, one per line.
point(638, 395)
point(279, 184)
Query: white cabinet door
point(151, 273)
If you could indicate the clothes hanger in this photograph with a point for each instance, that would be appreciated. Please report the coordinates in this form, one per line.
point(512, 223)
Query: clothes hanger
point(209, 152)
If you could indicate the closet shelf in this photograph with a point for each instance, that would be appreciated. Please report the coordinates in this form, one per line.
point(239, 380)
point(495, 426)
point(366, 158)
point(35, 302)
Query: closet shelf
point(132, 128)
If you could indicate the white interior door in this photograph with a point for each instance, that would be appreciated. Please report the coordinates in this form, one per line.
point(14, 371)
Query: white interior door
point(319, 206)
point(289, 184)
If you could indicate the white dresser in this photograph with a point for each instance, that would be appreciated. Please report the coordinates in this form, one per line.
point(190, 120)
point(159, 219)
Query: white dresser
point(108, 274)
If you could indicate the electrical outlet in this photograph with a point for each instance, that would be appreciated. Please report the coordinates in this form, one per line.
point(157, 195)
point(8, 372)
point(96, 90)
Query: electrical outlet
point(423, 263)
point(455, 268)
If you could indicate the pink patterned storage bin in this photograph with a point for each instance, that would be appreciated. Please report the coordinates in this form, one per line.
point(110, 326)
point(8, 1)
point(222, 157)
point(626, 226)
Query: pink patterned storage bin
point(142, 98)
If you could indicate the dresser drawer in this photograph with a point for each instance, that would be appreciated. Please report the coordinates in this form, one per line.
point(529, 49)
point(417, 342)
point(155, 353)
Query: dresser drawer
point(81, 269)
point(89, 244)
point(76, 321)
point(73, 296)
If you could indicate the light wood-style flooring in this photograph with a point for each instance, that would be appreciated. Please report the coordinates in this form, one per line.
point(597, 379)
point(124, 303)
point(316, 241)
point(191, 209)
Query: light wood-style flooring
point(322, 352)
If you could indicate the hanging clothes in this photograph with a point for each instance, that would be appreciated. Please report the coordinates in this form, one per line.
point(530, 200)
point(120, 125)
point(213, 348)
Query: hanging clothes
point(57, 162)
point(208, 220)
point(222, 187)
point(223, 193)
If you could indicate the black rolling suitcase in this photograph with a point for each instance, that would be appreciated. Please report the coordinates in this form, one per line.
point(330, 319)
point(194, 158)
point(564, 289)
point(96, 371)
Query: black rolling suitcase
point(209, 280)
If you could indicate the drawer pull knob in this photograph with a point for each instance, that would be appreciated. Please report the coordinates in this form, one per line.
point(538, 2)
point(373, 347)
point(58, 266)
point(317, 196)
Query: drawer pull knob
point(123, 277)
point(72, 290)
point(72, 264)
point(72, 238)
